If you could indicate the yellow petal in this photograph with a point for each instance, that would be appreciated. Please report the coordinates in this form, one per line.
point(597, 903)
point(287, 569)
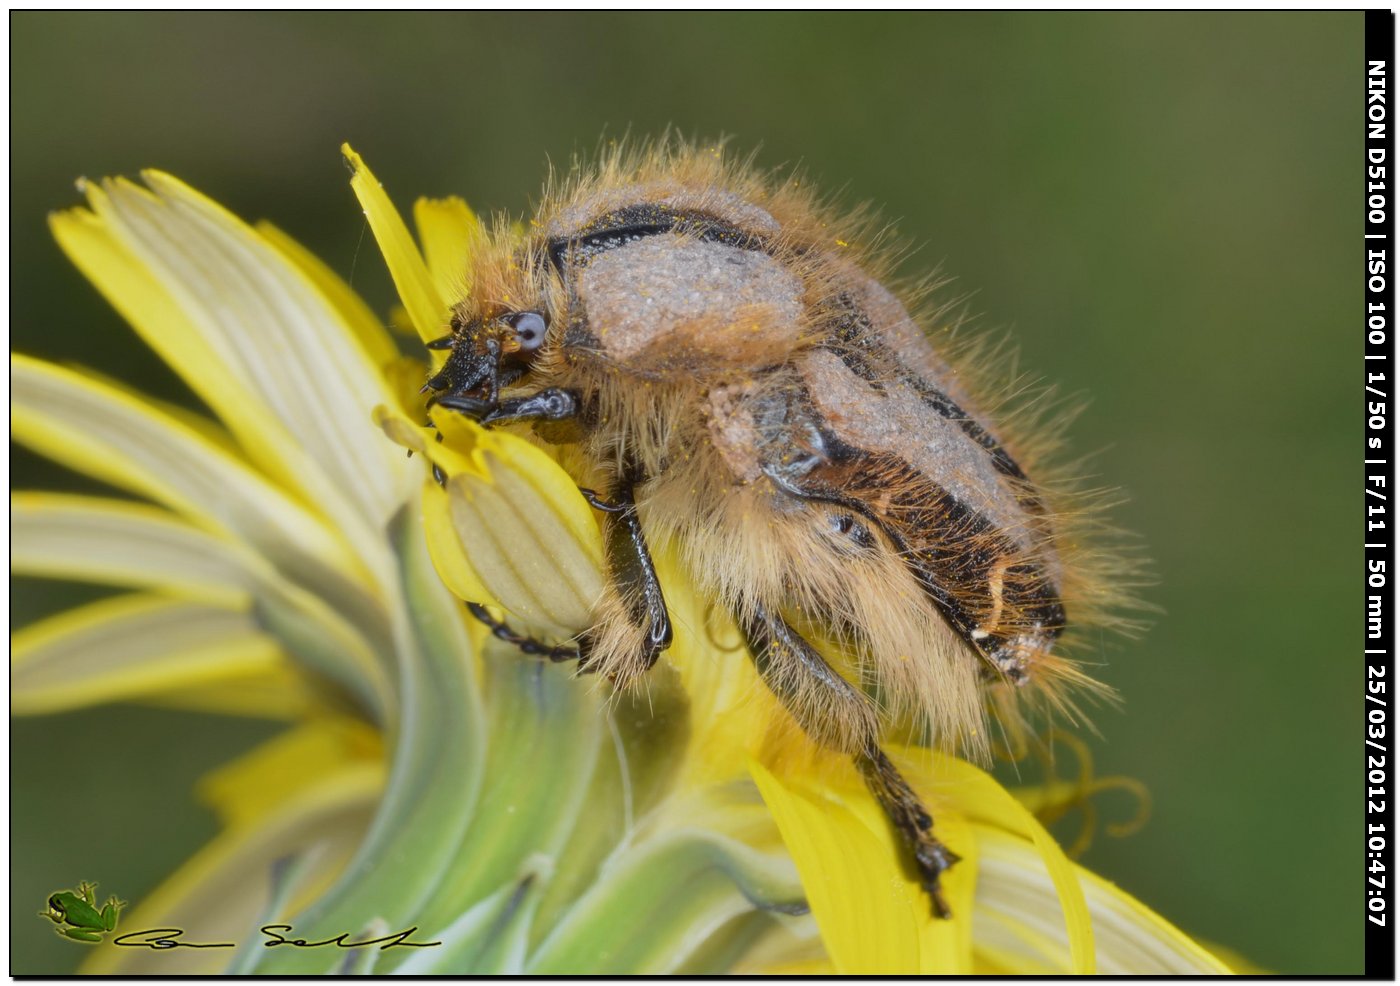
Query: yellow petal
point(1132, 939)
point(498, 455)
point(1234, 961)
point(945, 947)
point(283, 340)
point(864, 904)
point(509, 526)
point(415, 284)
point(406, 375)
point(1017, 930)
point(399, 430)
point(118, 542)
point(149, 307)
point(526, 556)
point(279, 692)
point(732, 710)
point(357, 315)
point(131, 646)
point(249, 333)
point(792, 948)
point(941, 779)
point(115, 542)
point(401, 323)
point(445, 546)
point(447, 229)
point(113, 437)
point(117, 438)
point(253, 786)
point(210, 429)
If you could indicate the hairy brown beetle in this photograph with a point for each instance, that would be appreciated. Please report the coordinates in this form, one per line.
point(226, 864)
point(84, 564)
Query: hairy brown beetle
point(758, 398)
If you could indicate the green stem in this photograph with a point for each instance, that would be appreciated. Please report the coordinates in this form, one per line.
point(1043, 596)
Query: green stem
point(435, 773)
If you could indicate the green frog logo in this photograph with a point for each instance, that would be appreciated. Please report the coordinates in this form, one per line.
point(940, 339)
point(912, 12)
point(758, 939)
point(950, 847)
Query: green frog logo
point(75, 914)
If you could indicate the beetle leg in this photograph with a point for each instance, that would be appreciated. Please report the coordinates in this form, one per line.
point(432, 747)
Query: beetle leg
point(551, 404)
point(598, 503)
point(632, 570)
point(836, 714)
point(911, 820)
point(555, 653)
point(472, 407)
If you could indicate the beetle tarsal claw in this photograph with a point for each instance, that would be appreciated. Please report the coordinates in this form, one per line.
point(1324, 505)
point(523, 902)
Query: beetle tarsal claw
point(912, 822)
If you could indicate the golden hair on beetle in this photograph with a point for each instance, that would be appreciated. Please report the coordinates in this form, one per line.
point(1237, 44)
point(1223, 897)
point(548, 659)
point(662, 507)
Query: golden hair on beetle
point(738, 372)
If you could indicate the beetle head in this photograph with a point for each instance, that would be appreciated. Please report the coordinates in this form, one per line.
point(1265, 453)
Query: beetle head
point(488, 352)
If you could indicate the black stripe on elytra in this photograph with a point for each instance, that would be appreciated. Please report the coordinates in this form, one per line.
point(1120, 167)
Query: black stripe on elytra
point(855, 339)
point(960, 546)
point(949, 408)
point(636, 222)
point(971, 556)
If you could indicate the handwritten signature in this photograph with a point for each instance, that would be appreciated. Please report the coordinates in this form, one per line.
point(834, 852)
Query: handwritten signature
point(163, 938)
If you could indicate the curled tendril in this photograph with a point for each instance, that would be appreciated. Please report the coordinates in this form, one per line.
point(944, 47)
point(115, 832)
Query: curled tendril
point(1063, 795)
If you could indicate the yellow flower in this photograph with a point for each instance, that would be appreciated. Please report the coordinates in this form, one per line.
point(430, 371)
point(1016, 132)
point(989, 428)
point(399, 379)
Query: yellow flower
point(291, 561)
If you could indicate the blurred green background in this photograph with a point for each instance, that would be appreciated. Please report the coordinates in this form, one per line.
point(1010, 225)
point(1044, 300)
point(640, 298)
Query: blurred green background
point(1163, 208)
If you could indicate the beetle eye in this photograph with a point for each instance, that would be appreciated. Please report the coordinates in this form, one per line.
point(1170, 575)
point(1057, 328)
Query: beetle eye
point(529, 330)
